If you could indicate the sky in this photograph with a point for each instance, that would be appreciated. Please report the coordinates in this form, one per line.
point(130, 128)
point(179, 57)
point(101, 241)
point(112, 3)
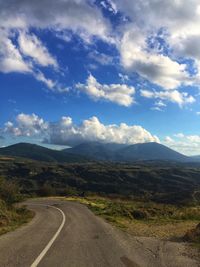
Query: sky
point(118, 71)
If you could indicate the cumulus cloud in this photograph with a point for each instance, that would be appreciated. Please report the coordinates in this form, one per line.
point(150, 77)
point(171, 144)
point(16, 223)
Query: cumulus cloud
point(181, 98)
point(65, 132)
point(157, 68)
point(121, 94)
point(26, 125)
point(179, 135)
point(176, 15)
point(180, 38)
point(78, 16)
point(187, 144)
point(93, 130)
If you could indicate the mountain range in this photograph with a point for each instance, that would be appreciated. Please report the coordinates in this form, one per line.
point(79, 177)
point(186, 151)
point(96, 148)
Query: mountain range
point(95, 151)
point(35, 152)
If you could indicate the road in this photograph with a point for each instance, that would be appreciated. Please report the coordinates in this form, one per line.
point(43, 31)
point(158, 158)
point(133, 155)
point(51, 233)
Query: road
point(67, 234)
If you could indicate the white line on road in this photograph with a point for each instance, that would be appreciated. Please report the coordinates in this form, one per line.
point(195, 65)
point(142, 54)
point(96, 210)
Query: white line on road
point(44, 251)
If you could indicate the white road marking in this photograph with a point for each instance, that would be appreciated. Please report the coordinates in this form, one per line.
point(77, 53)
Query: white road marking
point(44, 251)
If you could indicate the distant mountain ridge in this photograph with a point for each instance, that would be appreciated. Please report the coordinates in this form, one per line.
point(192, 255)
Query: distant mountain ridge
point(35, 152)
point(90, 151)
point(96, 150)
point(150, 151)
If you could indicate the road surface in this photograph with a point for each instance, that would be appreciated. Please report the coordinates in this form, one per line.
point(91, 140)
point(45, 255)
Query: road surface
point(67, 234)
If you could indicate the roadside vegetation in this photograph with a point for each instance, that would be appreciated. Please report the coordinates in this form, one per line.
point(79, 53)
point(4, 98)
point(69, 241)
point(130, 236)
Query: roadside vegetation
point(11, 216)
point(145, 218)
point(159, 182)
point(158, 199)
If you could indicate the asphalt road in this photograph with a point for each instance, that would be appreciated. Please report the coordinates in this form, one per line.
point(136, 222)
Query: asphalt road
point(66, 234)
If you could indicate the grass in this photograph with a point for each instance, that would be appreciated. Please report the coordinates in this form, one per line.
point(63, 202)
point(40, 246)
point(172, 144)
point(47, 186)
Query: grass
point(144, 219)
point(12, 217)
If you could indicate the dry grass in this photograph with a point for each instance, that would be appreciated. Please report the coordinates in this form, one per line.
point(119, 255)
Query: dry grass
point(154, 220)
point(171, 230)
point(13, 217)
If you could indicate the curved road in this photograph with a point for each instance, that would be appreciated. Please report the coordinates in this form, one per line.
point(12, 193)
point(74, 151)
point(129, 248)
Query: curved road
point(66, 234)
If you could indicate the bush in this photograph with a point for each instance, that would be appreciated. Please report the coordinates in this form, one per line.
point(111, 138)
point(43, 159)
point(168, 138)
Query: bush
point(9, 191)
point(193, 235)
point(140, 214)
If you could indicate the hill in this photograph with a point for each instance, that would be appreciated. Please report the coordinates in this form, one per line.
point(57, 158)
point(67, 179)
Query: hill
point(161, 181)
point(127, 153)
point(99, 152)
point(195, 158)
point(35, 152)
point(95, 150)
point(150, 151)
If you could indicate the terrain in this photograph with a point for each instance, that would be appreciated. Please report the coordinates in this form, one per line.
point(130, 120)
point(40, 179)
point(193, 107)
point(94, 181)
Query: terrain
point(40, 153)
point(127, 153)
point(82, 233)
point(156, 202)
point(159, 182)
point(95, 151)
point(11, 216)
point(164, 221)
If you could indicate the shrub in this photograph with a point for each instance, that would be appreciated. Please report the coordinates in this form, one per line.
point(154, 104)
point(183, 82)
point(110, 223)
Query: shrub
point(9, 191)
point(193, 235)
point(140, 214)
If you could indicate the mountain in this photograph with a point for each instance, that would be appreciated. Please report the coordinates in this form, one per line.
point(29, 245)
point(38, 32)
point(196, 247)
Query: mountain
point(195, 158)
point(150, 151)
point(35, 152)
point(137, 152)
point(97, 151)
point(94, 150)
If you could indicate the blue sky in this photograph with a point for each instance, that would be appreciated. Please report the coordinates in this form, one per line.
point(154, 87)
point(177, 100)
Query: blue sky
point(109, 71)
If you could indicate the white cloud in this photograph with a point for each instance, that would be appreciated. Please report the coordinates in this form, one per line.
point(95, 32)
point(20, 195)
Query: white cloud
point(121, 94)
point(123, 77)
point(168, 139)
point(156, 68)
point(93, 130)
point(11, 59)
point(186, 144)
point(156, 108)
point(51, 84)
point(26, 125)
point(181, 98)
point(179, 135)
point(101, 58)
point(82, 17)
point(66, 132)
point(160, 103)
point(31, 46)
point(177, 23)
point(110, 6)
point(22, 51)
point(48, 82)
